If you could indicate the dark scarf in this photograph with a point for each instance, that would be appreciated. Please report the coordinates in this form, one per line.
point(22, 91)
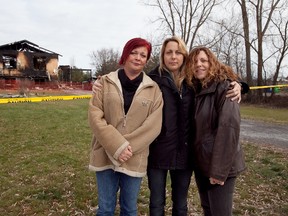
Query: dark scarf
point(129, 87)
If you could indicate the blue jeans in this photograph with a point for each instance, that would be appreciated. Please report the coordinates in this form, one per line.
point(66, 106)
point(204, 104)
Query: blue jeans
point(216, 200)
point(180, 181)
point(108, 184)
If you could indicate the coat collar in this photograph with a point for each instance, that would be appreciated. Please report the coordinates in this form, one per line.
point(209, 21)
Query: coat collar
point(147, 81)
point(210, 89)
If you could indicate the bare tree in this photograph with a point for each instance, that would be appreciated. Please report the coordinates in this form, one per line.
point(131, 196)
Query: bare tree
point(246, 30)
point(228, 46)
point(183, 18)
point(263, 11)
point(154, 59)
point(262, 39)
point(281, 45)
point(104, 61)
point(261, 30)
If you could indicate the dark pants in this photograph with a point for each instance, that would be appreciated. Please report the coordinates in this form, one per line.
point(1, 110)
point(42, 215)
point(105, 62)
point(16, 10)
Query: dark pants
point(180, 181)
point(216, 200)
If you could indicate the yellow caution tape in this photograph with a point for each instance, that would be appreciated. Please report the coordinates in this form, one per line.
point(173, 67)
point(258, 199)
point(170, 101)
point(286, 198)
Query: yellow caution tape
point(43, 99)
point(270, 86)
point(74, 97)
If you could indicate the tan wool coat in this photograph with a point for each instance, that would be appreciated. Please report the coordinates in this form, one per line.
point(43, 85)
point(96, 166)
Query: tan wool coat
point(113, 130)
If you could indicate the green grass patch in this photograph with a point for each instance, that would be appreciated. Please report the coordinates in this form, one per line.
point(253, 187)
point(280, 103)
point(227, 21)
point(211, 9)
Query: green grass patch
point(267, 114)
point(44, 154)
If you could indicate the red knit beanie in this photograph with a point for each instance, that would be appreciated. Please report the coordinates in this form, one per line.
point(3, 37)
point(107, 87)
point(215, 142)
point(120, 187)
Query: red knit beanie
point(132, 44)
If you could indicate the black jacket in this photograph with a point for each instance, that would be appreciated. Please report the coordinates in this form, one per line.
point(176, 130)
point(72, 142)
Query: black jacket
point(171, 149)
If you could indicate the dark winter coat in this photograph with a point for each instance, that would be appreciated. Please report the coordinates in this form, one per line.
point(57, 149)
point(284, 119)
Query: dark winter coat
point(171, 148)
point(217, 149)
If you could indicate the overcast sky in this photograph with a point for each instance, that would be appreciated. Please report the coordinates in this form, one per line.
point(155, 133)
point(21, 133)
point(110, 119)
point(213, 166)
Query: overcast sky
point(75, 28)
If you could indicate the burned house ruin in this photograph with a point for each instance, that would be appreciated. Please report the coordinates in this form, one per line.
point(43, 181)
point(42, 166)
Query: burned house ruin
point(24, 61)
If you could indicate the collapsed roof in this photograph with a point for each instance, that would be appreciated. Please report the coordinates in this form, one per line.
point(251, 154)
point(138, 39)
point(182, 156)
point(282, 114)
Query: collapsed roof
point(26, 46)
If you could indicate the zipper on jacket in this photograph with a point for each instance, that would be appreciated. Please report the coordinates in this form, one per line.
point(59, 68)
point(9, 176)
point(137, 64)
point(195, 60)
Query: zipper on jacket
point(122, 101)
point(179, 91)
point(124, 122)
